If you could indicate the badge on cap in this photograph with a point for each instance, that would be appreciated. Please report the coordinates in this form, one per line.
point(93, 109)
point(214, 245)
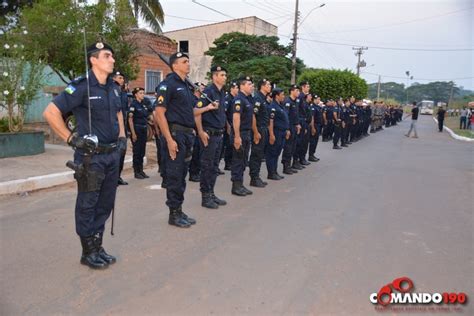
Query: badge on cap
point(179, 55)
point(247, 78)
point(218, 68)
point(99, 45)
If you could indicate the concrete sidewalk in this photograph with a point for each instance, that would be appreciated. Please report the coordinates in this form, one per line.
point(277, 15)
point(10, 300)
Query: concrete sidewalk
point(29, 173)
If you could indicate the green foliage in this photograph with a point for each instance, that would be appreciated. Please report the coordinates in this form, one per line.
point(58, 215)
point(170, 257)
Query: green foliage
point(56, 33)
point(20, 80)
point(256, 56)
point(388, 90)
point(150, 11)
point(330, 83)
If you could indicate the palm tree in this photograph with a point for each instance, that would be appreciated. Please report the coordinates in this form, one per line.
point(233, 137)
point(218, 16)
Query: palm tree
point(150, 11)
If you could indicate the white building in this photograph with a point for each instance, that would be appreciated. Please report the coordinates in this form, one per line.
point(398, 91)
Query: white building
point(195, 41)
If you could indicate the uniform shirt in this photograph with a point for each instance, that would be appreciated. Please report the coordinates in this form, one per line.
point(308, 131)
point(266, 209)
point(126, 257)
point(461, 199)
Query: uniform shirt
point(279, 116)
point(105, 104)
point(302, 107)
point(260, 109)
point(317, 111)
point(353, 108)
point(242, 104)
point(215, 118)
point(337, 111)
point(139, 112)
point(176, 96)
point(345, 114)
point(360, 113)
point(291, 108)
point(123, 101)
point(329, 110)
point(227, 105)
point(441, 113)
point(414, 113)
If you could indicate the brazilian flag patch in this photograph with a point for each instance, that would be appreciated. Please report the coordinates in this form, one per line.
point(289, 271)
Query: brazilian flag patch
point(70, 89)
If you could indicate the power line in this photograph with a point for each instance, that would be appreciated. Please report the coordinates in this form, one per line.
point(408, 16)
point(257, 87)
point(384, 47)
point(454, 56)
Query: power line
point(214, 10)
point(423, 79)
point(190, 19)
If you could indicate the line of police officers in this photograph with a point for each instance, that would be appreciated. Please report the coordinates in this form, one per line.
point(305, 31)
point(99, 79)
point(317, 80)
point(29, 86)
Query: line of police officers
point(245, 127)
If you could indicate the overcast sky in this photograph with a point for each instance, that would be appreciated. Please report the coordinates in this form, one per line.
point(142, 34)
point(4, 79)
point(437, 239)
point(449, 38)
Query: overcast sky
point(404, 24)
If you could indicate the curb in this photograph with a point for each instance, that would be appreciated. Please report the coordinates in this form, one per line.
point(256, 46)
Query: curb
point(46, 181)
point(454, 135)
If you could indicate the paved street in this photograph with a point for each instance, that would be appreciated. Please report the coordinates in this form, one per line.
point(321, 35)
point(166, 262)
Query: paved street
point(318, 242)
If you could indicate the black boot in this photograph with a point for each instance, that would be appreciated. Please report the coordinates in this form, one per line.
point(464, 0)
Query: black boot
point(312, 158)
point(138, 174)
point(218, 201)
point(90, 255)
point(176, 219)
point(122, 181)
point(279, 175)
point(194, 177)
point(304, 162)
point(208, 201)
point(257, 182)
point(183, 215)
point(274, 176)
point(247, 191)
point(103, 255)
point(287, 169)
point(336, 147)
point(296, 165)
point(143, 173)
point(238, 189)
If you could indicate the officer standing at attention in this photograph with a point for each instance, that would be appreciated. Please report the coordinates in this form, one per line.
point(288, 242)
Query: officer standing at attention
point(119, 79)
point(195, 164)
point(228, 147)
point(97, 146)
point(337, 119)
point(346, 119)
point(138, 123)
point(175, 117)
point(279, 131)
point(291, 108)
point(210, 124)
point(260, 135)
point(316, 127)
point(242, 117)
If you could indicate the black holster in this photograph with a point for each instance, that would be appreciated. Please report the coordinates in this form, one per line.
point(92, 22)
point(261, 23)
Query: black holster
point(87, 180)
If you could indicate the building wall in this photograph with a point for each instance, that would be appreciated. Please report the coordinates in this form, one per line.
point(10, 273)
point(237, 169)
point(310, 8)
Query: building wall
point(148, 60)
point(202, 37)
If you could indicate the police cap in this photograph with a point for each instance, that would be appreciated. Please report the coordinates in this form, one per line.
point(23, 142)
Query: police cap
point(136, 89)
point(243, 79)
point(177, 56)
point(217, 68)
point(98, 47)
point(276, 91)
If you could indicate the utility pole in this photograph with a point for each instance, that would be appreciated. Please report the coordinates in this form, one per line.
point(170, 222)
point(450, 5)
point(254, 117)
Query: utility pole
point(378, 89)
point(451, 94)
point(293, 50)
point(358, 53)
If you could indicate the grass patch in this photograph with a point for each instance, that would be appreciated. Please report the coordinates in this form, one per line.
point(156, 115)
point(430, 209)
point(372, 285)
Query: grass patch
point(453, 123)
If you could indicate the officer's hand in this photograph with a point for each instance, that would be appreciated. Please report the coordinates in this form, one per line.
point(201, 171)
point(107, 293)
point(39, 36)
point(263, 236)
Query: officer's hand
point(172, 148)
point(256, 138)
point(288, 134)
point(213, 106)
point(229, 129)
point(122, 145)
point(204, 138)
point(134, 137)
point(237, 143)
point(272, 139)
point(313, 131)
point(298, 129)
point(84, 143)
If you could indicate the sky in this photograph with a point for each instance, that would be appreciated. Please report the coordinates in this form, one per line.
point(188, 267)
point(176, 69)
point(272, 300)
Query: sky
point(427, 38)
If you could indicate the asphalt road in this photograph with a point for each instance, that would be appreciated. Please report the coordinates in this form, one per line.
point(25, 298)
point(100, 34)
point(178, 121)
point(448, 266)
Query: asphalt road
point(316, 243)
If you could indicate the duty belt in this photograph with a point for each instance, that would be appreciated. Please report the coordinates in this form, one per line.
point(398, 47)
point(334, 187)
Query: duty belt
point(180, 128)
point(214, 131)
point(106, 148)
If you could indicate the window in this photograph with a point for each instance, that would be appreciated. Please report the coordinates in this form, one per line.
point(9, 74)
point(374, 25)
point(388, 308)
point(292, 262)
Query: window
point(152, 79)
point(184, 46)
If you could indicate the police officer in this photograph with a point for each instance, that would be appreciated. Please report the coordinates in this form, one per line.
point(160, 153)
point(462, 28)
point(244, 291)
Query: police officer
point(260, 132)
point(174, 113)
point(316, 127)
point(291, 108)
point(346, 120)
point(195, 164)
point(242, 116)
point(354, 123)
point(337, 119)
point(228, 147)
point(279, 131)
point(303, 137)
point(97, 151)
point(210, 123)
point(119, 79)
point(328, 118)
point(138, 114)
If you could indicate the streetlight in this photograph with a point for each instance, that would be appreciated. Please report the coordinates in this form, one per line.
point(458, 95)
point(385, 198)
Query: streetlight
point(408, 82)
point(319, 6)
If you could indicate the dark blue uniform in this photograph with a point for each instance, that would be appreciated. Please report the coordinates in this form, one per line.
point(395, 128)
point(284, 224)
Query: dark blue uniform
point(139, 112)
point(213, 123)
point(291, 108)
point(346, 118)
point(317, 112)
point(258, 150)
point(281, 125)
point(337, 112)
point(353, 129)
point(93, 208)
point(303, 138)
point(241, 104)
point(124, 103)
point(329, 126)
point(227, 146)
point(177, 97)
point(195, 164)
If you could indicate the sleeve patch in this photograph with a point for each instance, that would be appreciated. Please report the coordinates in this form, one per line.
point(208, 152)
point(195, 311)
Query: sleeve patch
point(70, 89)
point(161, 99)
point(199, 104)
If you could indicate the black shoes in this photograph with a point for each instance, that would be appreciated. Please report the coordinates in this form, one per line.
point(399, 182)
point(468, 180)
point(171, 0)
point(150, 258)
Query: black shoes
point(102, 254)
point(90, 254)
point(257, 182)
point(336, 147)
point(227, 167)
point(139, 176)
point(144, 174)
point(194, 177)
point(220, 172)
point(122, 181)
point(287, 169)
point(313, 158)
point(208, 201)
point(296, 165)
point(275, 176)
point(218, 201)
point(344, 145)
point(304, 162)
point(239, 189)
point(177, 218)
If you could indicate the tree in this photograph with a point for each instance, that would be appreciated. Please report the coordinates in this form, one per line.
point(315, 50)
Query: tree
point(256, 56)
point(388, 90)
point(331, 83)
point(150, 11)
point(58, 34)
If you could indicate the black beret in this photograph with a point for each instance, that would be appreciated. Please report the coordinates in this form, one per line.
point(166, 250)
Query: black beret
point(263, 82)
point(276, 92)
point(218, 68)
point(136, 89)
point(245, 78)
point(293, 87)
point(176, 56)
point(234, 84)
point(98, 47)
point(303, 83)
point(315, 96)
